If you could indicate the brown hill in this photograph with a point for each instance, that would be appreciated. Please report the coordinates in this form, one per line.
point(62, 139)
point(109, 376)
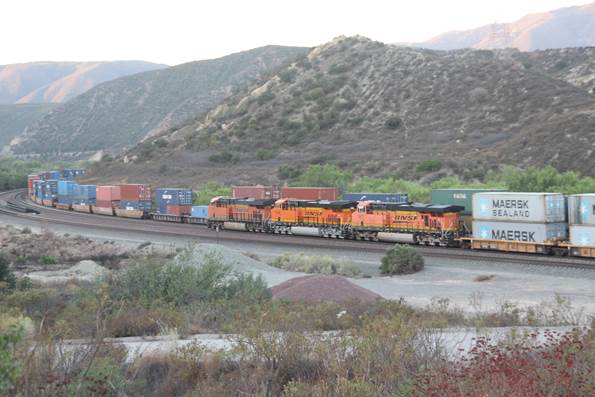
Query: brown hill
point(54, 82)
point(381, 110)
point(565, 27)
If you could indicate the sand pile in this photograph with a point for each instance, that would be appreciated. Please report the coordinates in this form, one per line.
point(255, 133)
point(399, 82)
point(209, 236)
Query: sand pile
point(323, 288)
point(84, 270)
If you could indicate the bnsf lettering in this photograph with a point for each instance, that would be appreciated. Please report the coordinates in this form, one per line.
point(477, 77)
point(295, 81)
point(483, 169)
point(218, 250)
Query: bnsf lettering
point(511, 208)
point(513, 235)
point(405, 218)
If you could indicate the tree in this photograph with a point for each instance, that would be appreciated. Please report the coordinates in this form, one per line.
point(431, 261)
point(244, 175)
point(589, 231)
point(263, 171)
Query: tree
point(7, 278)
point(325, 175)
point(401, 259)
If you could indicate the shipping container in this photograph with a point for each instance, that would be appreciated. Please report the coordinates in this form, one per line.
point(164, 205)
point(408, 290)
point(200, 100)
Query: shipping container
point(460, 197)
point(72, 173)
point(582, 235)
point(581, 209)
point(85, 194)
point(134, 192)
point(108, 193)
point(66, 188)
point(143, 205)
point(55, 175)
point(519, 231)
point(30, 180)
point(172, 196)
point(64, 199)
point(174, 209)
point(50, 189)
point(107, 203)
point(258, 192)
point(200, 211)
point(520, 207)
point(310, 193)
point(398, 198)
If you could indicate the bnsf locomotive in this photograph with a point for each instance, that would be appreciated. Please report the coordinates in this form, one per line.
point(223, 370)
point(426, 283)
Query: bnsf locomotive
point(366, 220)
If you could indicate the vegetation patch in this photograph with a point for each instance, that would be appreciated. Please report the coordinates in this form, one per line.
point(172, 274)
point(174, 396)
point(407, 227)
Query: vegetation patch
point(298, 262)
point(401, 259)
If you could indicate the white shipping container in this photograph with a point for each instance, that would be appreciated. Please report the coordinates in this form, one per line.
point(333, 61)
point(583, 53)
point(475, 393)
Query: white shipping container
point(519, 207)
point(514, 231)
point(581, 209)
point(582, 235)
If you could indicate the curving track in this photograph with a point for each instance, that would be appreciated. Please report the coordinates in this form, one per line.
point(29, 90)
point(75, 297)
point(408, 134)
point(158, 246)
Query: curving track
point(15, 205)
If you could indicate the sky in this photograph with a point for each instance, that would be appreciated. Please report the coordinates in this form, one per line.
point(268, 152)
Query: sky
point(178, 31)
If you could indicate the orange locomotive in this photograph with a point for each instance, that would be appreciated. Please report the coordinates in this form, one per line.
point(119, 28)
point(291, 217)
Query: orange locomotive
point(416, 223)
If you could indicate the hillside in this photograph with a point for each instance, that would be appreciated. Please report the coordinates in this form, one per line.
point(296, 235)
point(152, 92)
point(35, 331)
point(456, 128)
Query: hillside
point(382, 110)
point(561, 28)
point(15, 118)
point(55, 82)
point(119, 113)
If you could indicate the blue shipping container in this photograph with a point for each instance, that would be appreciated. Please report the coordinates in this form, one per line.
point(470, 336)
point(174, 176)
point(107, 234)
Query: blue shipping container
point(72, 173)
point(173, 196)
point(64, 199)
point(66, 188)
point(200, 211)
point(55, 175)
point(50, 189)
point(399, 198)
point(85, 192)
point(143, 205)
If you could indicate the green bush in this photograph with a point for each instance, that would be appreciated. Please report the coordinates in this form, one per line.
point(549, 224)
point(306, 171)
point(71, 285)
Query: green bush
point(265, 154)
point(430, 165)
point(401, 259)
point(288, 172)
point(10, 367)
point(221, 157)
point(298, 262)
point(181, 283)
point(325, 175)
point(206, 192)
point(48, 260)
point(393, 123)
point(7, 278)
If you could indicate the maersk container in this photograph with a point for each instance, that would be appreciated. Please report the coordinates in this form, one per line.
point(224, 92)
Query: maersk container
point(582, 235)
point(519, 231)
point(398, 198)
point(520, 207)
point(460, 197)
point(130, 205)
point(200, 211)
point(581, 209)
point(172, 196)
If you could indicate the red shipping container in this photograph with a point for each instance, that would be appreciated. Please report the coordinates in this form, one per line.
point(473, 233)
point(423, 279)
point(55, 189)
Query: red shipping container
point(135, 192)
point(257, 192)
point(30, 180)
point(173, 209)
point(108, 193)
point(310, 193)
point(107, 203)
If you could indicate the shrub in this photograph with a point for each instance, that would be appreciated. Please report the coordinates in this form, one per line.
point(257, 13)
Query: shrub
point(265, 154)
point(393, 123)
point(430, 165)
point(10, 367)
point(7, 278)
point(206, 192)
point(48, 260)
point(299, 262)
point(221, 157)
point(325, 175)
point(288, 171)
point(401, 259)
point(140, 321)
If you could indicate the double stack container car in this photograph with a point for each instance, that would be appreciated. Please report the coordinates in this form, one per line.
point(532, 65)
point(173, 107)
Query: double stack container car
point(84, 197)
point(173, 204)
point(135, 201)
point(519, 222)
point(108, 199)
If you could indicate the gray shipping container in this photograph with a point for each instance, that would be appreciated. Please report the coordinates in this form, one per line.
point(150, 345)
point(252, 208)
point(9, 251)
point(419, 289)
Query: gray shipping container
point(514, 231)
point(520, 207)
point(583, 235)
point(581, 209)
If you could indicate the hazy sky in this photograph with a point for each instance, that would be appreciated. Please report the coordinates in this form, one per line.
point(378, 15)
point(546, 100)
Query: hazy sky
point(177, 31)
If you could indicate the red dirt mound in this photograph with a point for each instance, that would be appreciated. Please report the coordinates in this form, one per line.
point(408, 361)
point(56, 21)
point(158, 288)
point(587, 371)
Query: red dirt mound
point(323, 288)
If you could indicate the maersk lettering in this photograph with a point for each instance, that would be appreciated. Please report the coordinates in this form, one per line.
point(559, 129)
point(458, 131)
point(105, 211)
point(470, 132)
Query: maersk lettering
point(513, 235)
point(511, 208)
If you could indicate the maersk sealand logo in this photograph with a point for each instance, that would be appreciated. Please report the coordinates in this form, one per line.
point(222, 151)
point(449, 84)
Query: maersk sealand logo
point(484, 233)
point(484, 207)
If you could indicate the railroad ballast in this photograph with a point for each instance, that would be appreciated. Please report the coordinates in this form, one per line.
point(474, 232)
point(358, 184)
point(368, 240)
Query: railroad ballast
point(505, 221)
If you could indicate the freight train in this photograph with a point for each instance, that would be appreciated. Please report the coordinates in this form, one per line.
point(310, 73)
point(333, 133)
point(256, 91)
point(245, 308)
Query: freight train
point(503, 221)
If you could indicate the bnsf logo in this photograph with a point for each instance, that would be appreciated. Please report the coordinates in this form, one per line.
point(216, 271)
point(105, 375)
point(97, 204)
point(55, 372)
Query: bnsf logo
point(405, 218)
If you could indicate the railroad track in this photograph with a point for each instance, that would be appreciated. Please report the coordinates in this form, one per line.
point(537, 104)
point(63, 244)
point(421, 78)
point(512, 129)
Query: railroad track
point(15, 204)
